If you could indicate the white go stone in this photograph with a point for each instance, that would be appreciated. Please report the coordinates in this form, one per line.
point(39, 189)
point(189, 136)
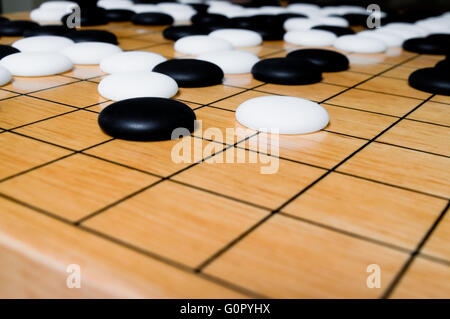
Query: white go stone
point(391, 39)
point(44, 43)
point(285, 114)
point(294, 24)
point(54, 5)
point(121, 86)
point(48, 16)
point(238, 37)
point(36, 63)
point(360, 44)
point(5, 76)
point(310, 37)
point(131, 61)
point(231, 62)
point(90, 52)
point(198, 44)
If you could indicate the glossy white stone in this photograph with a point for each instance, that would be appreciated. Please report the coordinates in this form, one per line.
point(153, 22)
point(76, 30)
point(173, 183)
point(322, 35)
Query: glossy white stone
point(198, 44)
point(36, 63)
point(5, 76)
point(232, 61)
point(238, 37)
point(310, 37)
point(285, 114)
point(131, 61)
point(360, 44)
point(120, 86)
point(44, 43)
point(90, 52)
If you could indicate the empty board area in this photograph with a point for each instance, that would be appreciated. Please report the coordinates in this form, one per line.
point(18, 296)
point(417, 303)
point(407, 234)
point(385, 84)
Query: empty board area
point(367, 194)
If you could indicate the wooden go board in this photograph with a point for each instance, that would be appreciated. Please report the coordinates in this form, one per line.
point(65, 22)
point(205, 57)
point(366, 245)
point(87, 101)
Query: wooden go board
point(371, 188)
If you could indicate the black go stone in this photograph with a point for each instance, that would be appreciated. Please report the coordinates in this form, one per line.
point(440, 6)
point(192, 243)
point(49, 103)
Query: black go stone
point(438, 44)
point(338, 31)
point(431, 80)
point(16, 28)
point(119, 15)
point(191, 72)
point(92, 36)
point(208, 18)
point(325, 60)
point(286, 71)
point(179, 31)
point(58, 30)
point(152, 18)
point(146, 119)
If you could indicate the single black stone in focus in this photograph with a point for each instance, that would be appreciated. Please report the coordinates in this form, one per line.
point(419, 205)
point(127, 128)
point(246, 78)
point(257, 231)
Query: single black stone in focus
point(146, 119)
point(431, 80)
point(16, 28)
point(119, 15)
point(286, 71)
point(428, 45)
point(179, 31)
point(325, 60)
point(208, 18)
point(59, 30)
point(152, 18)
point(7, 50)
point(338, 31)
point(92, 36)
point(191, 72)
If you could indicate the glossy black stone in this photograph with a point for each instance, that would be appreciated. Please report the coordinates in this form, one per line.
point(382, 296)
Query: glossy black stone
point(92, 36)
point(90, 16)
point(7, 50)
point(146, 119)
point(179, 31)
point(431, 80)
point(58, 30)
point(286, 71)
point(119, 15)
point(338, 31)
point(191, 72)
point(428, 45)
point(325, 60)
point(152, 18)
point(208, 18)
point(16, 28)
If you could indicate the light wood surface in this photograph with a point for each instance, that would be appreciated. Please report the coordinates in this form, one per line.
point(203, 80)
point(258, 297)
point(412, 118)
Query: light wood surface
point(371, 188)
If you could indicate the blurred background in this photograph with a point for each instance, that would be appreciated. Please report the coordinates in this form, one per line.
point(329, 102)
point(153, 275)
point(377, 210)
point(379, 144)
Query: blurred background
point(386, 5)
